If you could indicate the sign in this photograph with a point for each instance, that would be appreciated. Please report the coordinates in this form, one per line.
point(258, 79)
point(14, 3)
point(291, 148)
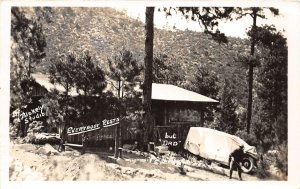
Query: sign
point(170, 140)
point(83, 129)
point(33, 114)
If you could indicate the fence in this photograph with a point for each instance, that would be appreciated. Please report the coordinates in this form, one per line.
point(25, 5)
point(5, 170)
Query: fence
point(105, 137)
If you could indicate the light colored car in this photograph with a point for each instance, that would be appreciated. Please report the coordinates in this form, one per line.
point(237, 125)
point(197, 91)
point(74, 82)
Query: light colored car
point(213, 145)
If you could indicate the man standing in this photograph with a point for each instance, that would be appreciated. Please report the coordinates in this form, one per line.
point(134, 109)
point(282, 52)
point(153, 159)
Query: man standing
point(235, 160)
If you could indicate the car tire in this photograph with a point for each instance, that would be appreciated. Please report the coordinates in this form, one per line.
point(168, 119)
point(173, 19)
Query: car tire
point(247, 164)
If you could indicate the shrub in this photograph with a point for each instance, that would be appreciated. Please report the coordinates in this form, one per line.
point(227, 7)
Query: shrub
point(281, 161)
point(35, 127)
point(30, 138)
point(13, 129)
point(262, 169)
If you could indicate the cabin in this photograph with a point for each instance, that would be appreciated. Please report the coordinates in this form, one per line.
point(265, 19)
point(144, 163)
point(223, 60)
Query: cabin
point(175, 110)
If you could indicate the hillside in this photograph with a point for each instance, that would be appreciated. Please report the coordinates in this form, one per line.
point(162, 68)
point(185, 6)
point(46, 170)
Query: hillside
point(104, 31)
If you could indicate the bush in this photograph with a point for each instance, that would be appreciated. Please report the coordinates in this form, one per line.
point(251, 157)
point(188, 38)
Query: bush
point(14, 126)
point(35, 127)
point(281, 161)
point(13, 129)
point(274, 164)
point(262, 169)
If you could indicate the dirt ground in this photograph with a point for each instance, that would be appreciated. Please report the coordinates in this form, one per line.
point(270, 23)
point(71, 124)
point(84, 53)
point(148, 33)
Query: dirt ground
point(34, 163)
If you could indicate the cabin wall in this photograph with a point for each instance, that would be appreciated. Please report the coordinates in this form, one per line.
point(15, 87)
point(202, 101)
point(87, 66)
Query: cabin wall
point(166, 113)
point(173, 121)
point(38, 90)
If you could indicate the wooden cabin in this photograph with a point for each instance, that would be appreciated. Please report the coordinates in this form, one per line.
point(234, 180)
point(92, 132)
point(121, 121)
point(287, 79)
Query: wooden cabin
point(175, 110)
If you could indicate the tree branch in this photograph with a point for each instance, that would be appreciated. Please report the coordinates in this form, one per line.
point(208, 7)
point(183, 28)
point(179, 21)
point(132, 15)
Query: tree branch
point(112, 84)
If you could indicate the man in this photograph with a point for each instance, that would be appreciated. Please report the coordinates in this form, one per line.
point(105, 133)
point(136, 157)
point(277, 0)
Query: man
point(235, 160)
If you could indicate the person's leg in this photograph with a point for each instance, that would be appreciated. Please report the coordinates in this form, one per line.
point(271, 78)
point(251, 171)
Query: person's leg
point(231, 165)
point(240, 171)
point(63, 146)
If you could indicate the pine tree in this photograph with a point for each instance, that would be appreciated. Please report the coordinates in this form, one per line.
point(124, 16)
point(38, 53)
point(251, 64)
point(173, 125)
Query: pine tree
point(124, 71)
point(227, 120)
point(27, 50)
point(252, 61)
point(205, 83)
point(62, 71)
point(272, 83)
point(168, 70)
point(89, 77)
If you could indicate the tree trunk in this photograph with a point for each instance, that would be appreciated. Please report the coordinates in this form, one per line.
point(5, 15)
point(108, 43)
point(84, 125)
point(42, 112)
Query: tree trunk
point(147, 90)
point(85, 102)
point(117, 130)
point(250, 74)
point(29, 66)
point(249, 108)
point(66, 118)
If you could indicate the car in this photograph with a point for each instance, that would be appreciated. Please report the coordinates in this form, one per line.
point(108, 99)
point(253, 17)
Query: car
point(214, 145)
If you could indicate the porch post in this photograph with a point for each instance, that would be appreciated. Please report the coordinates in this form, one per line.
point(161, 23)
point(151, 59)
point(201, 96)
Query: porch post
point(165, 113)
point(200, 110)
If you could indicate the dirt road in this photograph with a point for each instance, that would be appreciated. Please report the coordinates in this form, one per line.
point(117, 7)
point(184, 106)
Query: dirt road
point(29, 162)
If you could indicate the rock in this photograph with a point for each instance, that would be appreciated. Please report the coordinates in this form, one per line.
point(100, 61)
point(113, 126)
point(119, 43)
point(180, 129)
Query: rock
point(43, 151)
point(113, 166)
point(67, 153)
point(127, 146)
point(54, 153)
point(161, 150)
point(156, 162)
point(76, 153)
point(182, 171)
point(138, 153)
point(26, 147)
point(130, 171)
point(120, 160)
point(149, 175)
point(47, 150)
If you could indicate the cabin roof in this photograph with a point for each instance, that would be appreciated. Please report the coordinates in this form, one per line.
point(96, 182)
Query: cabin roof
point(173, 93)
point(166, 92)
point(44, 81)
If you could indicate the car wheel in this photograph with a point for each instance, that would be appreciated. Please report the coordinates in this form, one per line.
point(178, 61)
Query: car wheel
point(247, 164)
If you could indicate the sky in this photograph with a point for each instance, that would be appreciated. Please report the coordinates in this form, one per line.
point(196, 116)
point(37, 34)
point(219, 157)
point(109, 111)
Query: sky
point(234, 28)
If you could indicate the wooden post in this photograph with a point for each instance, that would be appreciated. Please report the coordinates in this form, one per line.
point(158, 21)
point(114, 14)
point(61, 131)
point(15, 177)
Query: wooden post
point(201, 116)
point(165, 113)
